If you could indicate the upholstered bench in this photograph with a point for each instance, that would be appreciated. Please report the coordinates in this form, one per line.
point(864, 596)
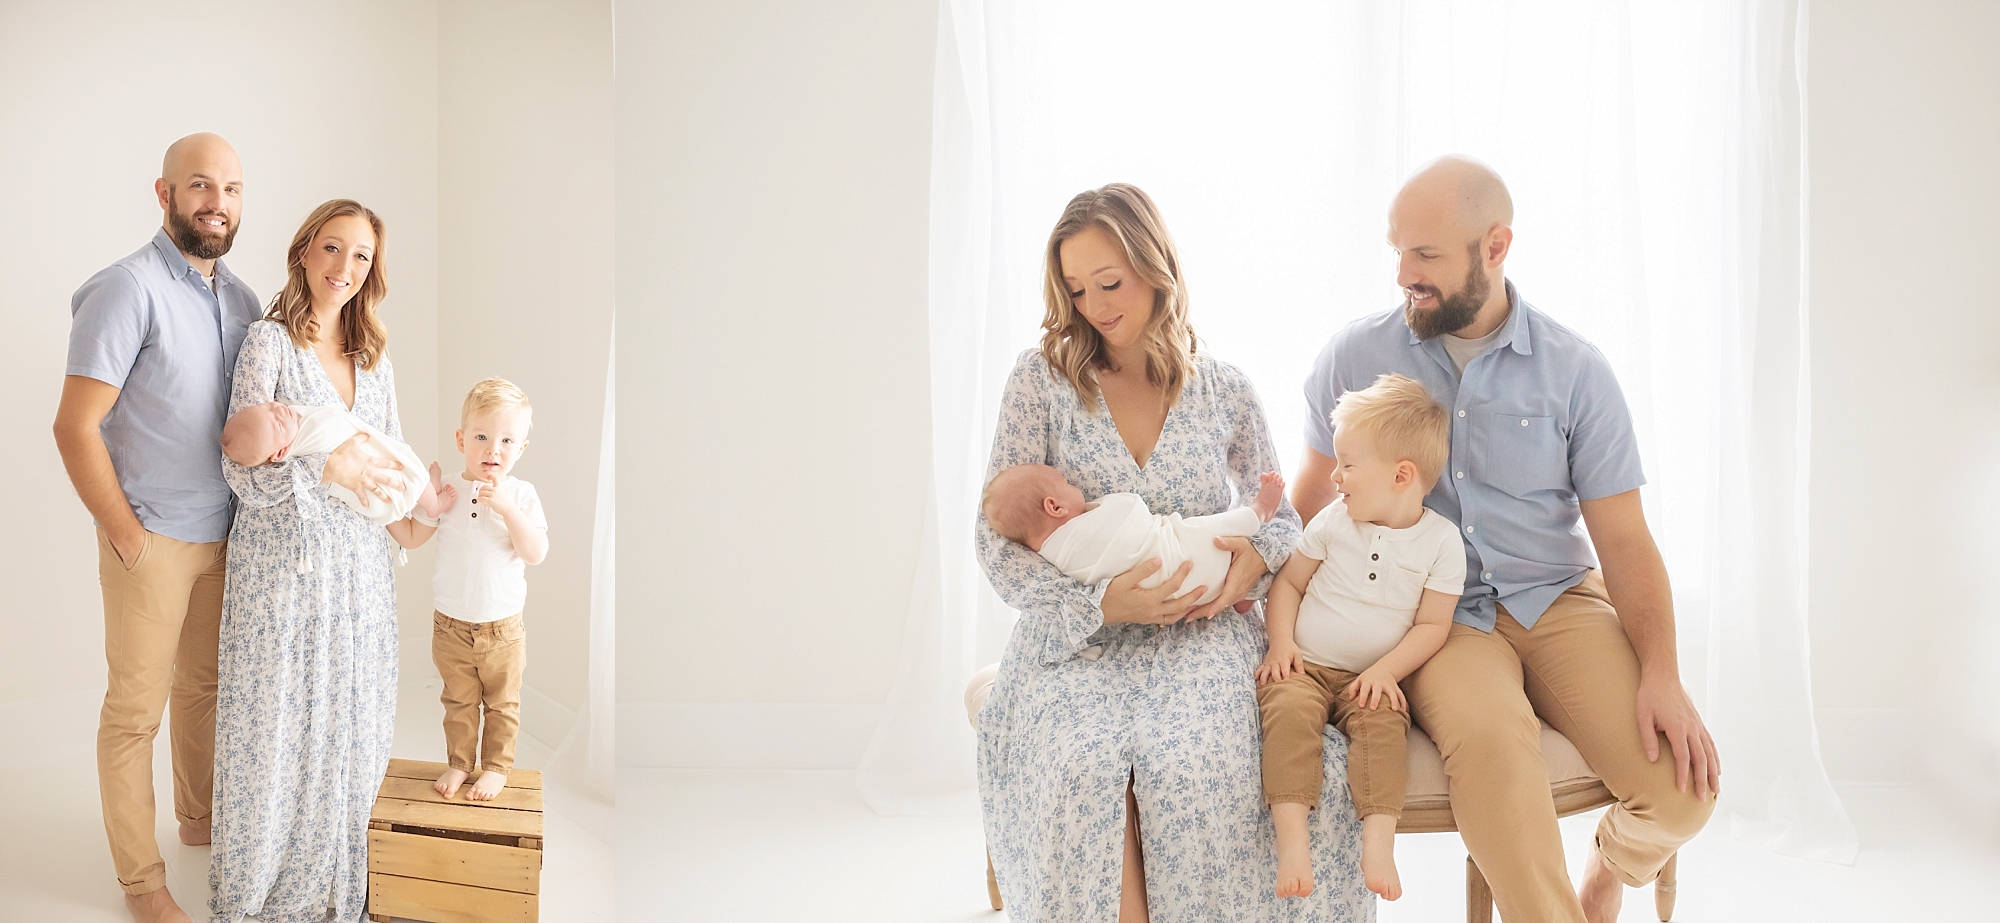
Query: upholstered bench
point(1427, 802)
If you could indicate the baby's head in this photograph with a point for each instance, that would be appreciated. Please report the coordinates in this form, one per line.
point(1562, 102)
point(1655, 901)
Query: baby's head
point(1026, 503)
point(1391, 441)
point(493, 429)
point(260, 434)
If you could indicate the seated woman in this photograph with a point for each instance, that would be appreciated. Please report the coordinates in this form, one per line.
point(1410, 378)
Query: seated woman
point(1118, 754)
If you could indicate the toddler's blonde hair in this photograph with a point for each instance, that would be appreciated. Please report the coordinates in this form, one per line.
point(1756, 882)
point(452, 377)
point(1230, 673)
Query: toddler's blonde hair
point(1404, 421)
point(492, 394)
point(1010, 502)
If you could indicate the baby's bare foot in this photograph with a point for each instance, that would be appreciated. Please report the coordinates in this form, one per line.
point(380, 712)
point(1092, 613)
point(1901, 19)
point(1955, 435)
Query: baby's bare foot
point(192, 835)
point(1378, 856)
point(488, 787)
point(447, 784)
point(155, 907)
point(1270, 493)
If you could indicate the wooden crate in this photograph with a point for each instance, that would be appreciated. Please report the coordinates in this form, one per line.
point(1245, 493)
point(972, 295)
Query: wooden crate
point(454, 861)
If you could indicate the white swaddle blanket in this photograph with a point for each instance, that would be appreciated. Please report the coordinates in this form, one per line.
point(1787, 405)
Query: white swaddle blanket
point(1121, 532)
point(323, 428)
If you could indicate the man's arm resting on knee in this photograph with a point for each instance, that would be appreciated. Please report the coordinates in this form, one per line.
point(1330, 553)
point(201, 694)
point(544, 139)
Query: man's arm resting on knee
point(84, 403)
point(1635, 576)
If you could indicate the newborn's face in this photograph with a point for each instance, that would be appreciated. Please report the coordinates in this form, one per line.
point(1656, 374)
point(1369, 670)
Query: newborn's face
point(279, 426)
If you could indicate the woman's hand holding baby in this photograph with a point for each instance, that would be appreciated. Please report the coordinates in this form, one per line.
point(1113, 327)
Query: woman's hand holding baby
point(1125, 602)
point(1246, 567)
point(365, 474)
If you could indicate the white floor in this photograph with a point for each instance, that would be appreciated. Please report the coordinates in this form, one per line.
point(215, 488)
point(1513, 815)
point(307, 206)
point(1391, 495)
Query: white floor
point(54, 865)
point(699, 846)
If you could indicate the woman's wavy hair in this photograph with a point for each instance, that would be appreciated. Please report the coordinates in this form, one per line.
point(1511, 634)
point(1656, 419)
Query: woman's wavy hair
point(361, 330)
point(1074, 348)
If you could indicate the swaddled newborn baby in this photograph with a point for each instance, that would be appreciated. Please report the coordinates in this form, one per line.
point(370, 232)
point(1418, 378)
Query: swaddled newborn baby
point(1094, 542)
point(273, 431)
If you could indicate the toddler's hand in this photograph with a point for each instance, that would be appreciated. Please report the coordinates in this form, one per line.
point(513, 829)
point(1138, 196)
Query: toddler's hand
point(1280, 662)
point(490, 497)
point(1375, 687)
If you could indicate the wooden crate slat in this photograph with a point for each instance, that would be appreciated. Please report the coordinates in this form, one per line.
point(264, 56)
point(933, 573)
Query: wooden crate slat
point(513, 799)
point(458, 817)
point(429, 771)
point(481, 865)
point(442, 902)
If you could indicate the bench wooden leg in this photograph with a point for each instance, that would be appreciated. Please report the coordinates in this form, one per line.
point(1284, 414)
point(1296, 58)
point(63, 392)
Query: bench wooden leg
point(1664, 888)
point(992, 884)
point(1478, 897)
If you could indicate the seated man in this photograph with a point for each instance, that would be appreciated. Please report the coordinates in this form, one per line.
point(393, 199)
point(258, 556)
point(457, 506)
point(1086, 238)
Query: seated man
point(1540, 435)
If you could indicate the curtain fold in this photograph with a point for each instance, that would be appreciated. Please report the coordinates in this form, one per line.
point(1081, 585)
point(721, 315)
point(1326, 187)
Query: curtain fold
point(582, 775)
point(1656, 157)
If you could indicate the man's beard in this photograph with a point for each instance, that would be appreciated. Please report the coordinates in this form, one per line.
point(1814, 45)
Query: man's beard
point(193, 239)
point(1454, 312)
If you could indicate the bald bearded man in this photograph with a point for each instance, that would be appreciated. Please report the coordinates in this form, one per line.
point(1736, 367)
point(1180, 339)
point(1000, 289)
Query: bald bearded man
point(153, 343)
point(1575, 630)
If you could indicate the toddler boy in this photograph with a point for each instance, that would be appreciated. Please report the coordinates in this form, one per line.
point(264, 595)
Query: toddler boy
point(1364, 600)
point(480, 587)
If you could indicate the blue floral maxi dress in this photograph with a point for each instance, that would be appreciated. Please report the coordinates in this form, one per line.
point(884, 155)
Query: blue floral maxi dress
point(1079, 706)
point(306, 705)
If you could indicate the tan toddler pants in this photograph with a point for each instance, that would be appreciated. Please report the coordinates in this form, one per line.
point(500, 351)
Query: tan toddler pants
point(1295, 713)
point(481, 663)
point(161, 619)
point(1479, 699)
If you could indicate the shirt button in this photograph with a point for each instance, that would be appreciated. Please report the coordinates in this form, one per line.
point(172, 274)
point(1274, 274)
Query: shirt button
point(1371, 576)
point(1461, 474)
point(1468, 529)
point(1461, 413)
point(1374, 557)
point(1524, 423)
point(1489, 575)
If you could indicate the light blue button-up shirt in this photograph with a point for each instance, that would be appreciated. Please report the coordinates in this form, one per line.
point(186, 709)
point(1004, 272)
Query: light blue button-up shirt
point(148, 326)
point(1538, 424)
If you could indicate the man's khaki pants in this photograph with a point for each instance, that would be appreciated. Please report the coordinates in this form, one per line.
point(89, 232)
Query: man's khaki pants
point(161, 617)
point(1479, 699)
point(481, 663)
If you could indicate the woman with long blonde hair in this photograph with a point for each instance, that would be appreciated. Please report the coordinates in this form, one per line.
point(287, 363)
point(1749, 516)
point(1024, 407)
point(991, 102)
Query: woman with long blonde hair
point(306, 703)
point(1119, 750)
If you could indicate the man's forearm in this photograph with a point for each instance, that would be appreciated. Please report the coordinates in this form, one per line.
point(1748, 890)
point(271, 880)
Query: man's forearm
point(1635, 577)
point(88, 463)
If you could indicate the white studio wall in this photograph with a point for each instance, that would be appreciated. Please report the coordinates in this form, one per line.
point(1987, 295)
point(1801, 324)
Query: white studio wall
point(1904, 132)
point(94, 94)
point(525, 276)
point(773, 180)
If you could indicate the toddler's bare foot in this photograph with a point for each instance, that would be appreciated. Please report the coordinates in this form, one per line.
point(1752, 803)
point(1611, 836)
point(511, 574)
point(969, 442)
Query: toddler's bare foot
point(1601, 892)
point(1378, 856)
point(192, 835)
point(1295, 870)
point(155, 907)
point(447, 784)
point(488, 787)
point(1270, 493)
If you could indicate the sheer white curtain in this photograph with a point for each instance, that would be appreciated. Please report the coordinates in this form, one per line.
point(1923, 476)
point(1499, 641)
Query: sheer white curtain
point(1655, 156)
point(584, 767)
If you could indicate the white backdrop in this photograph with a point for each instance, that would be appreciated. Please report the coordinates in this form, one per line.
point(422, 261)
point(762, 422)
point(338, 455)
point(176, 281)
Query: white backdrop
point(1654, 154)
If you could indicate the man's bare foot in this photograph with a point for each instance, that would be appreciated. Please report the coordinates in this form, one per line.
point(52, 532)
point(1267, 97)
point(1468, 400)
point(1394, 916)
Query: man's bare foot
point(1378, 856)
point(1601, 892)
point(488, 787)
point(155, 907)
point(447, 784)
point(1295, 868)
point(192, 835)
